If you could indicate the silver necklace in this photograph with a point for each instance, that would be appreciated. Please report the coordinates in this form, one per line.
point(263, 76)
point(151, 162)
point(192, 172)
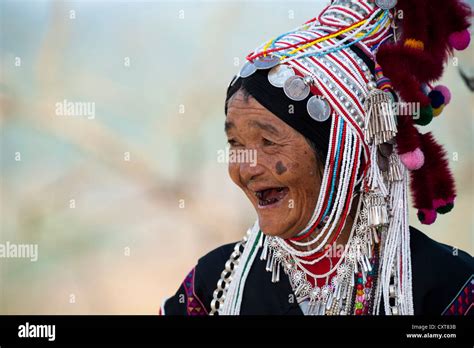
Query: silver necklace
point(334, 297)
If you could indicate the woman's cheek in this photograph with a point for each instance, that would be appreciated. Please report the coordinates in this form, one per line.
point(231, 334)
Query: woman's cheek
point(233, 170)
point(280, 168)
point(289, 172)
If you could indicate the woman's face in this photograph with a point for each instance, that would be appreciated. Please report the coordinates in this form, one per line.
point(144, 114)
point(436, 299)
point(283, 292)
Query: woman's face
point(283, 183)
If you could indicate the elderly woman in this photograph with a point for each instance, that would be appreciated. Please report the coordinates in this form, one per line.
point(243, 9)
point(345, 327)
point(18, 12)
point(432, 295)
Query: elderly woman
point(320, 107)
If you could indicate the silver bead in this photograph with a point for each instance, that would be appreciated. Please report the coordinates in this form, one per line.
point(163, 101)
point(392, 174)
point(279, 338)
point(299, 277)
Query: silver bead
point(371, 85)
point(308, 80)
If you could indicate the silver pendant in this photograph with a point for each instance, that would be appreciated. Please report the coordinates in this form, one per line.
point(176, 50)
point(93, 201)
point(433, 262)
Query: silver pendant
point(247, 69)
point(386, 4)
point(279, 74)
point(318, 108)
point(266, 62)
point(295, 88)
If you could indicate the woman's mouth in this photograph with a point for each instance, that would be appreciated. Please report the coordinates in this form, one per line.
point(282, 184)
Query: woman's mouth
point(270, 197)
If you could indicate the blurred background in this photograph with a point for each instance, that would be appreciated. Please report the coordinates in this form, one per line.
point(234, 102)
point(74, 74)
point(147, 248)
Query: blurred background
point(122, 201)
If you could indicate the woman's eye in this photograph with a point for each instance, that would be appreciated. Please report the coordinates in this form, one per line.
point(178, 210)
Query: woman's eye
point(268, 142)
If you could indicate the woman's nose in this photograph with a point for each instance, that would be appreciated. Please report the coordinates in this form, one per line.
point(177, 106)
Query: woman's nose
point(250, 167)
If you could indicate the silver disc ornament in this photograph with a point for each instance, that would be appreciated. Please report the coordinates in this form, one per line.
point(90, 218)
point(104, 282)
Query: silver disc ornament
point(386, 4)
point(318, 108)
point(295, 88)
point(266, 62)
point(278, 75)
point(247, 69)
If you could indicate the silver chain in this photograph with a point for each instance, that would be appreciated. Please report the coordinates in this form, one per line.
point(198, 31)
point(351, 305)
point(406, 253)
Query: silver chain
point(227, 274)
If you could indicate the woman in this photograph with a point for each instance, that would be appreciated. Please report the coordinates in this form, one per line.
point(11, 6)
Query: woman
point(336, 150)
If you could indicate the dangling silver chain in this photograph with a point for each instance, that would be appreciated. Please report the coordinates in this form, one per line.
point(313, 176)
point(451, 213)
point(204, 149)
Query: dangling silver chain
point(227, 274)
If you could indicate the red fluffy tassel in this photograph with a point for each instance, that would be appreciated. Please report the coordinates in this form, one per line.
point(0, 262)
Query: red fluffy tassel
point(432, 185)
point(444, 187)
point(421, 186)
point(428, 23)
point(397, 66)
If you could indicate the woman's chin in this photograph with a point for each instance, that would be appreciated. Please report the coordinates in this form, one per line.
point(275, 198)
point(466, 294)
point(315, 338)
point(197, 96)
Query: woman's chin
point(273, 228)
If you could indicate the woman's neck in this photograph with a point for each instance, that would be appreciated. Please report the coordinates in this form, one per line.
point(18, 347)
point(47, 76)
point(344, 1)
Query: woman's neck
point(340, 240)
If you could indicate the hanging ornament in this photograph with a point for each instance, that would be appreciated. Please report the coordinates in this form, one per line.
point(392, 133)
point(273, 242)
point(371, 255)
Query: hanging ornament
point(380, 125)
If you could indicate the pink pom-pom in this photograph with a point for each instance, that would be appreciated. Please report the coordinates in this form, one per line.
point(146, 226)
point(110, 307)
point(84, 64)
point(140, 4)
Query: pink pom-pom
point(427, 216)
point(413, 160)
point(445, 92)
point(460, 40)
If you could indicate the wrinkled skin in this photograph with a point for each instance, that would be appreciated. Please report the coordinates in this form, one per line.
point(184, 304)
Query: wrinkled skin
point(284, 159)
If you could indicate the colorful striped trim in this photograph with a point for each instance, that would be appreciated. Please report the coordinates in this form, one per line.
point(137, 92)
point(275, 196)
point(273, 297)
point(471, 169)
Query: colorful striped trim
point(194, 305)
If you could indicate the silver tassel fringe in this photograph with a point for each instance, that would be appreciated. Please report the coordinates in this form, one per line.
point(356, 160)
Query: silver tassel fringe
point(394, 172)
point(377, 211)
point(381, 125)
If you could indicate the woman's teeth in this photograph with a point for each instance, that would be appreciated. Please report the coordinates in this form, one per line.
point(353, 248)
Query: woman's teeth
point(271, 196)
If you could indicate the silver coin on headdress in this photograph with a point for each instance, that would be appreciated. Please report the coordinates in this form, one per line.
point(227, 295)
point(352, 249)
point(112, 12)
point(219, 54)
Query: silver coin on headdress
point(247, 69)
point(279, 74)
point(295, 88)
point(318, 108)
point(386, 4)
point(266, 62)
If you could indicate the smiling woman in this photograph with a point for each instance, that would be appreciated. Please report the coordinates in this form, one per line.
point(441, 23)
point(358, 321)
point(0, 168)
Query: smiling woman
point(285, 176)
point(330, 182)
